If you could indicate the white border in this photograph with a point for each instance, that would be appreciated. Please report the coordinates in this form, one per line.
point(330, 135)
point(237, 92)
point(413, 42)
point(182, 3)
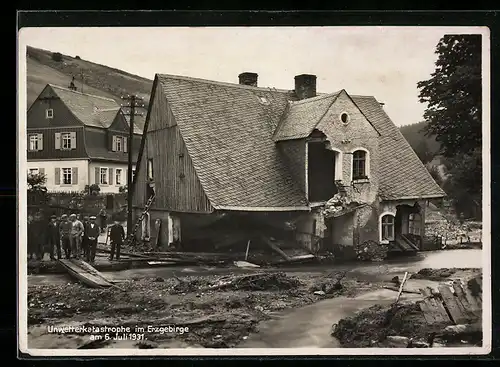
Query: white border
point(22, 250)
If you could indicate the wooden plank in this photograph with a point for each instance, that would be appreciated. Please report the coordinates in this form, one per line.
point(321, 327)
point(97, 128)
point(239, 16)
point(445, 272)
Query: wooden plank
point(90, 269)
point(276, 249)
point(427, 311)
point(83, 275)
point(455, 308)
point(475, 304)
point(461, 297)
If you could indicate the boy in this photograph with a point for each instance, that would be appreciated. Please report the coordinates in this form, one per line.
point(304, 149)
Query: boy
point(65, 232)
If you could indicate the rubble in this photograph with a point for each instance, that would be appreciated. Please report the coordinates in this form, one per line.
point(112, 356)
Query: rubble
point(371, 251)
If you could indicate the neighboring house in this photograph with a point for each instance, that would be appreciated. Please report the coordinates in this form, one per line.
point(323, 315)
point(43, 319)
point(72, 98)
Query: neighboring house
point(216, 148)
point(78, 139)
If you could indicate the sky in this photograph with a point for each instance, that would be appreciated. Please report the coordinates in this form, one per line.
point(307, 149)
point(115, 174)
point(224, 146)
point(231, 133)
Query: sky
point(386, 62)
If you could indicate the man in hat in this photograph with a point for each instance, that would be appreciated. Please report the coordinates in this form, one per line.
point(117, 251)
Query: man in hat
point(91, 235)
point(53, 239)
point(37, 232)
point(116, 237)
point(76, 235)
point(65, 232)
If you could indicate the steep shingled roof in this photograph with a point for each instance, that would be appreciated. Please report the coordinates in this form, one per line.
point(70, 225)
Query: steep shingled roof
point(91, 110)
point(402, 174)
point(228, 131)
point(301, 117)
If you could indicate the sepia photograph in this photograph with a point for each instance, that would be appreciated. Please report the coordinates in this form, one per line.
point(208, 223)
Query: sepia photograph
point(254, 191)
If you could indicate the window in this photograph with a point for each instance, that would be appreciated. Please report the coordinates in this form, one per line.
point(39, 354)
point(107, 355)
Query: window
point(414, 221)
point(359, 165)
point(33, 171)
point(66, 141)
point(344, 117)
point(119, 147)
point(49, 113)
point(103, 176)
point(118, 176)
point(66, 176)
point(34, 142)
point(133, 174)
point(388, 227)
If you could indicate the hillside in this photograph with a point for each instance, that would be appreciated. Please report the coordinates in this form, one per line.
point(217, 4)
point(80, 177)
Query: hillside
point(415, 135)
point(98, 79)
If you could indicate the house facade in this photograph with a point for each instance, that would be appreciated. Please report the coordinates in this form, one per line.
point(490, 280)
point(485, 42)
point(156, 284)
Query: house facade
point(77, 140)
point(333, 164)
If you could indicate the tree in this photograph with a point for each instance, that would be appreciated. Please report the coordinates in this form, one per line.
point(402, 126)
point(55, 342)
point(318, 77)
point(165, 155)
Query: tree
point(453, 95)
point(423, 151)
point(37, 192)
point(57, 56)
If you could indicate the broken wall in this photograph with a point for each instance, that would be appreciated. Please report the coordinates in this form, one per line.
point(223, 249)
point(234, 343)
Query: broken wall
point(170, 227)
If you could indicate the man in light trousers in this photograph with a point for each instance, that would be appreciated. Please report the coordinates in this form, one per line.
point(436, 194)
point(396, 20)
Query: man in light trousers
point(76, 235)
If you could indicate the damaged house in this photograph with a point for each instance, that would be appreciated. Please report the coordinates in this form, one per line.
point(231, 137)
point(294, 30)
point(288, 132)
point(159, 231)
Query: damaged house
point(232, 163)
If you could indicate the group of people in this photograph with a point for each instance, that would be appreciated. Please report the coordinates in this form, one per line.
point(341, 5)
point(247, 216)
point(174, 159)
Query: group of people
point(76, 238)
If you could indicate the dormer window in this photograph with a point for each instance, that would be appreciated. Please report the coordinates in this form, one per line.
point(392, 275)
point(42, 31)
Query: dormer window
point(49, 113)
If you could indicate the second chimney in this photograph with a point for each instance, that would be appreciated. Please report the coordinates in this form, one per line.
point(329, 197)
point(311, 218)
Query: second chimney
point(248, 79)
point(305, 86)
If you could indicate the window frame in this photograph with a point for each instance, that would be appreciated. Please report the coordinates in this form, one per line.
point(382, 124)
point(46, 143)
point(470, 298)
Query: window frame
point(415, 218)
point(49, 113)
point(118, 176)
point(150, 169)
point(119, 141)
point(104, 170)
point(68, 135)
point(366, 167)
point(384, 225)
point(35, 140)
point(69, 174)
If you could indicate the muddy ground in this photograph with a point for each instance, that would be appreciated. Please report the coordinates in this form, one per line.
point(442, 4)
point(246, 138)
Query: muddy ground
point(216, 318)
point(388, 326)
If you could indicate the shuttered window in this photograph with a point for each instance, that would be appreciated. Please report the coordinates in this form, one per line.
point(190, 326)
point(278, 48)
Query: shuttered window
point(118, 176)
point(67, 176)
point(35, 142)
point(65, 141)
point(103, 176)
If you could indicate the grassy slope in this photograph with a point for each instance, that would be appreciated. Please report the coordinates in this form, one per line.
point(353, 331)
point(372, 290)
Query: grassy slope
point(98, 79)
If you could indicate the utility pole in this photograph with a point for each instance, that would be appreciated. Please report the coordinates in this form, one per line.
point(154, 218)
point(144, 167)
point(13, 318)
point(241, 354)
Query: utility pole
point(133, 100)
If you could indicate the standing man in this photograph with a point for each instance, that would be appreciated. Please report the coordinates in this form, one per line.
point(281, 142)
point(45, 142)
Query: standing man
point(65, 233)
point(75, 237)
point(53, 238)
point(91, 234)
point(38, 235)
point(116, 236)
point(102, 217)
point(85, 246)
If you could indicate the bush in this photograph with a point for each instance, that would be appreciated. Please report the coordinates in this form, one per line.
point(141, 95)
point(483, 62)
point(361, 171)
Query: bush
point(57, 56)
point(93, 189)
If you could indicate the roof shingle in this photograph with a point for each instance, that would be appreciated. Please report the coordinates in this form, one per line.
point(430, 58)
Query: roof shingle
point(228, 131)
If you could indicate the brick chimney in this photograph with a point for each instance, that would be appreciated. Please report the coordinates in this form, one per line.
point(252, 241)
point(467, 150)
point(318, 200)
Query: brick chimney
point(305, 86)
point(248, 78)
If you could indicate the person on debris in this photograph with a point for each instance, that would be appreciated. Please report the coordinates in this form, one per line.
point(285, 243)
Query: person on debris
point(91, 234)
point(65, 233)
point(85, 246)
point(102, 217)
point(116, 237)
point(53, 239)
point(75, 237)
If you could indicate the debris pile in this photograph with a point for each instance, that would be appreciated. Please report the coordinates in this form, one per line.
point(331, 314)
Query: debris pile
point(442, 273)
point(371, 251)
point(337, 204)
point(258, 282)
point(330, 284)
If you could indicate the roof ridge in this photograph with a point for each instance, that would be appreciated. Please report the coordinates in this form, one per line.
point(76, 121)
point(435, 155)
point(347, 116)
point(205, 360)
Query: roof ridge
point(81, 93)
point(225, 84)
point(314, 99)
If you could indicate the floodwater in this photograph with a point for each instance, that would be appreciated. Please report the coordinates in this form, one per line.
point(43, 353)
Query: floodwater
point(467, 258)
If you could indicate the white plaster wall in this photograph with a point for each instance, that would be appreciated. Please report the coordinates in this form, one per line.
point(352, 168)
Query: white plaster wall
point(49, 170)
point(114, 188)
